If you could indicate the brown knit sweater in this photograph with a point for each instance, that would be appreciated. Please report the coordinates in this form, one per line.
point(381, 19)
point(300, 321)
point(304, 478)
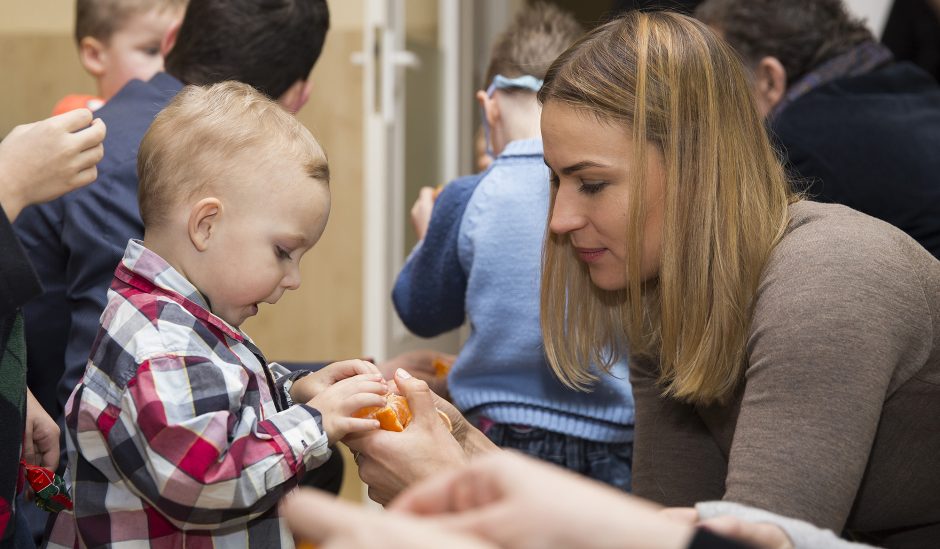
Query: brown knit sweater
point(837, 421)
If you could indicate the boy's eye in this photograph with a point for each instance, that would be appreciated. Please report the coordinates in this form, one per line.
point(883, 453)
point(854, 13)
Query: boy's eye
point(281, 253)
point(591, 187)
point(152, 51)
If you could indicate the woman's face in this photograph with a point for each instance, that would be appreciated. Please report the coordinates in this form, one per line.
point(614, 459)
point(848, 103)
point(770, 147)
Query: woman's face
point(591, 162)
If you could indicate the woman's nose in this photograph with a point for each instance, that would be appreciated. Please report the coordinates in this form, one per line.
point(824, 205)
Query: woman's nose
point(566, 214)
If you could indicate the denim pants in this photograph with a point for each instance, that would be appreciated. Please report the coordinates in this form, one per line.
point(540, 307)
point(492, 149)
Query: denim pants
point(603, 461)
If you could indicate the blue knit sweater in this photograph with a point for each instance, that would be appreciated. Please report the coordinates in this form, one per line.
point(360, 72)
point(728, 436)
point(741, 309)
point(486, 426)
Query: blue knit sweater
point(481, 259)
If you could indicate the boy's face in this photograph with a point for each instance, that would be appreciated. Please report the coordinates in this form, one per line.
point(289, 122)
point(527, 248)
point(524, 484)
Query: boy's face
point(134, 50)
point(272, 214)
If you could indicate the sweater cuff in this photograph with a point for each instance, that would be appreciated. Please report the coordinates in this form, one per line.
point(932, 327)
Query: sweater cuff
point(802, 534)
point(18, 280)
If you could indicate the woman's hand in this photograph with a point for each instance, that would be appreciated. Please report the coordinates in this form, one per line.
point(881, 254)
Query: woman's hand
point(517, 502)
point(420, 364)
point(46, 159)
point(41, 440)
point(389, 461)
point(334, 524)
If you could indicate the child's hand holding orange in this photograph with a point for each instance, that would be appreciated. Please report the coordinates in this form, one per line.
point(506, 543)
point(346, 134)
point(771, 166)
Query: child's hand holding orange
point(311, 385)
point(339, 402)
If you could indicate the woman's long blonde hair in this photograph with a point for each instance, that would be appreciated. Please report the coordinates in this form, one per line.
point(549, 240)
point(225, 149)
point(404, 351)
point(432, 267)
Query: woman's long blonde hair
point(673, 83)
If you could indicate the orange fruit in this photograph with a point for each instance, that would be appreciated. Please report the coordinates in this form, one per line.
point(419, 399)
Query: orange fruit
point(441, 367)
point(396, 414)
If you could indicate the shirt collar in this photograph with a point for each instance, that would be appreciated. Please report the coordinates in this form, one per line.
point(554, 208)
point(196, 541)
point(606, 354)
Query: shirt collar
point(523, 147)
point(149, 272)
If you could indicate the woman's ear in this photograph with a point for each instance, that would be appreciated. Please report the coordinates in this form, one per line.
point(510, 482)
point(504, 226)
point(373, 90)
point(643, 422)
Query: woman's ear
point(202, 222)
point(770, 84)
point(92, 54)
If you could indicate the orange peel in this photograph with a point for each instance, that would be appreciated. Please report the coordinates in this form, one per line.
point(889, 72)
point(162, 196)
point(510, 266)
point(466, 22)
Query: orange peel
point(396, 414)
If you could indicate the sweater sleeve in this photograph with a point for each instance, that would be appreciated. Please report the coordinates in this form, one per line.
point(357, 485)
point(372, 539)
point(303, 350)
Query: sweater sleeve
point(803, 535)
point(430, 289)
point(676, 461)
point(840, 320)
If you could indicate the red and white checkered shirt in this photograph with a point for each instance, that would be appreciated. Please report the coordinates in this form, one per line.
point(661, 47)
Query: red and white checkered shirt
point(179, 434)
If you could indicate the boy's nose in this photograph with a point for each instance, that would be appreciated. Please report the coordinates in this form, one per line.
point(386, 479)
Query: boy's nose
point(291, 280)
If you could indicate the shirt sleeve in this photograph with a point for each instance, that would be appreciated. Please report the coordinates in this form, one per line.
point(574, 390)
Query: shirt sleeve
point(18, 281)
point(838, 322)
point(430, 289)
point(186, 441)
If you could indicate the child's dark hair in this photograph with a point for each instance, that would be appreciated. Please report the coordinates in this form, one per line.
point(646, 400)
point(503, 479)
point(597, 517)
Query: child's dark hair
point(268, 44)
point(101, 18)
point(538, 34)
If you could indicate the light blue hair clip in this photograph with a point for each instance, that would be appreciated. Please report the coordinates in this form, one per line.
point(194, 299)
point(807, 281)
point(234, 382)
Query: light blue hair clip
point(525, 82)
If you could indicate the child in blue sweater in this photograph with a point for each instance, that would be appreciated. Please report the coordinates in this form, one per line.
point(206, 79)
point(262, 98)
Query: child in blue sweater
point(479, 256)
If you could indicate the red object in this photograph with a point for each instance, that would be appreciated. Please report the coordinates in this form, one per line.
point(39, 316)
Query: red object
point(72, 102)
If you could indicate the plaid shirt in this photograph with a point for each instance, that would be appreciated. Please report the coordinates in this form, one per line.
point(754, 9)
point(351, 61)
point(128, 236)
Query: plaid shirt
point(179, 434)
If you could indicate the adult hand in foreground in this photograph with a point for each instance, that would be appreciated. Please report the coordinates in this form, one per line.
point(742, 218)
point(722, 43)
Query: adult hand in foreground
point(391, 461)
point(517, 502)
point(46, 159)
point(335, 524)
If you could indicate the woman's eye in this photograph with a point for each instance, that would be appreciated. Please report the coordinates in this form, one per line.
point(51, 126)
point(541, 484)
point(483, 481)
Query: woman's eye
point(281, 253)
point(553, 178)
point(591, 187)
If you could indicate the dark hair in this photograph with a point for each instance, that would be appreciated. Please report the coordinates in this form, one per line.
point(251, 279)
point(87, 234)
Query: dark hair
point(801, 34)
point(268, 44)
point(538, 34)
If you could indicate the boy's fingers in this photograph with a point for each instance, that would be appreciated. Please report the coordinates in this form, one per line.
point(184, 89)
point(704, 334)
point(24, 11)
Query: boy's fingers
point(364, 400)
point(355, 425)
point(73, 121)
point(89, 157)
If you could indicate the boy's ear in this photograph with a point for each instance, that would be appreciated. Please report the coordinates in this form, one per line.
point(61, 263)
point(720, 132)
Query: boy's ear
point(202, 219)
point(296, 96)
point(490, 108)
point(169, 39)
point(92, 54)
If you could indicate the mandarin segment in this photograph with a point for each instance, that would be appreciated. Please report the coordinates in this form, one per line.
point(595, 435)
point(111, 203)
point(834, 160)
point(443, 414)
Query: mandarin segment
point(396, 414)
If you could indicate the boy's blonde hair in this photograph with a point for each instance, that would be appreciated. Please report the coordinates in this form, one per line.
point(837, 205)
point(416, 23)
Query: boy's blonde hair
point(102, 18)
point(538, 34)
point(671, 82)
point(202, 130)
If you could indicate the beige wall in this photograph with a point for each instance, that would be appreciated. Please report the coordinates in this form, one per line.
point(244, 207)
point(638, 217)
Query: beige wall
point(321, 320)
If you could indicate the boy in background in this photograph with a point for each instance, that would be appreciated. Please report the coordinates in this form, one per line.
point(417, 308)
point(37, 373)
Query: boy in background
point(118, 41)
point(480, 256)
point(180, 433)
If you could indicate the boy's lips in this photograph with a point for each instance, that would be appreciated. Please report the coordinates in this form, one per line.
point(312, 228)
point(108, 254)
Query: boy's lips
point(590, 255)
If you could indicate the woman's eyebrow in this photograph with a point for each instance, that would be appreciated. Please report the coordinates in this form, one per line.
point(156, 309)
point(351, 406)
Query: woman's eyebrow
point(583, 165)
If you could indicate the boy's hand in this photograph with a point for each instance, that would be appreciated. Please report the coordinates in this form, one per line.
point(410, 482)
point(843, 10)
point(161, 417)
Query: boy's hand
point(338, 402)
point(315, 383)
point(46, 159)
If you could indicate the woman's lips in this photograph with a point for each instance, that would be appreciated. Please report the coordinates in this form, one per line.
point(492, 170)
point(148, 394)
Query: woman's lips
point(590, 255)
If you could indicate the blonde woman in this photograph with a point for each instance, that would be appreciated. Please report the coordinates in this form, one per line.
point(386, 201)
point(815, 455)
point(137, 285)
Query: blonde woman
point(787, 353)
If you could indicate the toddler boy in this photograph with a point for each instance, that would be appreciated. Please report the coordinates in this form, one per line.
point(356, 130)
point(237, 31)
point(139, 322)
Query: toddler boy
point(118, 41)
point(180, 433)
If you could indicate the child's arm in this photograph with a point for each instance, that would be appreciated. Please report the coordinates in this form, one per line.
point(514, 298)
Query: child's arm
point(187, 440)
point(430, 289)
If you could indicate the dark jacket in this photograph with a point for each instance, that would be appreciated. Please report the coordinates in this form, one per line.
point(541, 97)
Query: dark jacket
point(871, 142)
point(76, 241)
